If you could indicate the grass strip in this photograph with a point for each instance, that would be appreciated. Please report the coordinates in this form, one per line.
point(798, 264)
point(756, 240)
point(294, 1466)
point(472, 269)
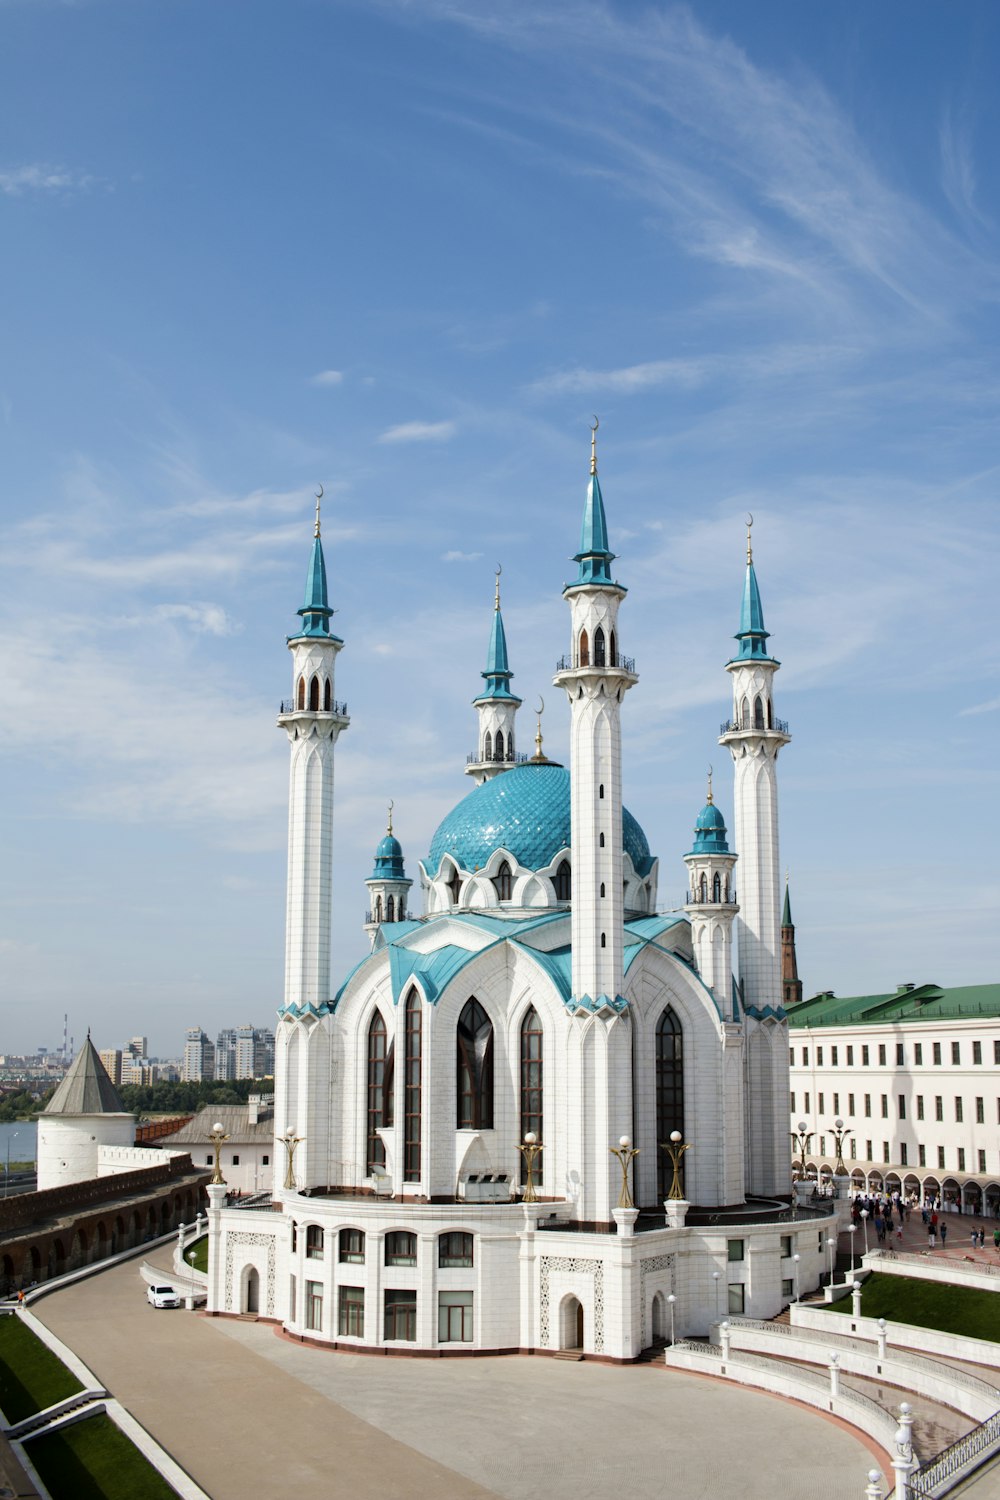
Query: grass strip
point(929, 1304)
point(200, 1248)
point(94, 1460)
point(31, 1377)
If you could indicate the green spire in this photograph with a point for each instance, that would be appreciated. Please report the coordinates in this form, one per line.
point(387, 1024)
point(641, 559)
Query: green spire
point(316, 611)
point(786, 914)
point(595, 557)
point(751, 634)
point(498, 673)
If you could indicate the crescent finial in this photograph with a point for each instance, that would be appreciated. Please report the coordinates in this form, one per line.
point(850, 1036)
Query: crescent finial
point(539, 753)
point(391, 806)
point(541, 706)
point(497, 601)
point(749, 547)
point(319, 496)
point(593, 446)
point(710, 784)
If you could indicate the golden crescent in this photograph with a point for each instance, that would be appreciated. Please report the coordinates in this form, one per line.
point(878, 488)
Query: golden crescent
point(596, 425)
point(541, 706)
point(749, 520)
point(319, 493)
point(499, 570)
point(710, 770)
point(391, 804)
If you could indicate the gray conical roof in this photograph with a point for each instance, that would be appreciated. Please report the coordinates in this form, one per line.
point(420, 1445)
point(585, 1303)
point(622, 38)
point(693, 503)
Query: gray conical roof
point(86, 1089)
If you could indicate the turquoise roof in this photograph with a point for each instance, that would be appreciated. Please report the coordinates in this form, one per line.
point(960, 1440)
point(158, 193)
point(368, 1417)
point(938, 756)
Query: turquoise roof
point(751, 634)
point(595, 557)
point(710, 832)
point(527, 812)
point(786, 915)
point(316, 609)
point(389, 860)
point(498, 673)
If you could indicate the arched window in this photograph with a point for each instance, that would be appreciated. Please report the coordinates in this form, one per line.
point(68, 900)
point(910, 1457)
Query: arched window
point(669, 1093)
point(475, 1068)
point(400, 1248)
point(600, 791)
point(377, 1067)
point(301, 694)
point(352, 1246)
point(584, 649)
point(602, 887)
point(716, 887)
point(758, 714)
point(412, 1089)
point(502, 882)
point(327, 696)
point(745, 714)
point(770, 721)
point(604, 940)
point(531, 1086)
point(378, 908)
point(564, 882)
point(455, 1249)
point(499, 745)
point(600, 648)
point(455, 886)
point(314, 693)
point(488, 746)
point(314, 1242)
point(614, 650)
point(703, 890)
point(390, 910)
point(600, 841)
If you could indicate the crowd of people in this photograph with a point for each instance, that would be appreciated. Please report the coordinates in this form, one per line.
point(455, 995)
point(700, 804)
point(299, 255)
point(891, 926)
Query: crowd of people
point(888, 1212)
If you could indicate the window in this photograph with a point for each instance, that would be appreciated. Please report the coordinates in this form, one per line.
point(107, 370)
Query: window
point(922, 1156)
point(920, 1106)
point(956, 1053)
point(669, 1094)
point(918, 1054)
point(291, 1299)
point(850, 1105)
point(854, 1149)
point(977, 1052)
point(833, 1057)
point(584, 649)
point(791, 1057)
point(265, 1161)
point(351, 1311)
point(736, 1297)
point(982, 1161)
point(822, 1145)
point(940, 1156)
point(869, 1153)
point(996, 1054)
point(503, 882)
point(805, 1097)
point(899, 1054)
point(961, 1158)
point(734, 1250)
point(531, 1087)
point(937, 1053)
point(600, 649)
point(819, 1057)
point(314, 1305)
point(236, 1159)
point(475, 1068)
point(455, 1249)
point(805, 1057)
point(412, 1092)
point(401, 1315)
point(959, 1111)
point(786, 1246)
point(903, 1155)
point(938, 1107)
point(352, 1246)
point(836, 1104)
point(864, 1056)
point(881, 1054)
point(379, 1095)
point(885, 1151)
point(791, 1103)
point(498, 746)
point(295, 1238)
point(980, 1112)
point(488, 746)
point(850, 1057)
point(455, 1318)
point(821, 1109)
point(314, 1242)
point(788, 1288)
point(400, 1248)
point(564, 882)
point(868, 1106)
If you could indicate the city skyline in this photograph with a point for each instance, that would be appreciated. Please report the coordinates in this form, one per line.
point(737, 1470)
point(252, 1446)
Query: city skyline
point(406, 252)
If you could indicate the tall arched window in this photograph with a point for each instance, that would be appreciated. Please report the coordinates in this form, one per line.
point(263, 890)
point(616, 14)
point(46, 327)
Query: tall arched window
point(745, 714)
point(327, 696)
point(703, 890)
point(503, 882)
point(564, 882)
point(669, 1093)
point(488, 746)
point(412, 1089)
point(475, 1068)
point(531, 1085)
point(377, 1067)
point(600, 648)
point(499, 744)
point(378, 908)
point(301, 695)
point(716, 887)
point(770, 720)
point(314, 693)
point(584, 649)
point(614, 650)
point(390, 910)
point(455, 886)
point(758, 714)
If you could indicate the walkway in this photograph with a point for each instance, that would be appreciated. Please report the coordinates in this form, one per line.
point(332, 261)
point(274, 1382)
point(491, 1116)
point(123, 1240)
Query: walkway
point(249, 1413)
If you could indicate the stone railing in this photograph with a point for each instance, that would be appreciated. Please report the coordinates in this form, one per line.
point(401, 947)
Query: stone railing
point(16, 1213)
point(937, 1476)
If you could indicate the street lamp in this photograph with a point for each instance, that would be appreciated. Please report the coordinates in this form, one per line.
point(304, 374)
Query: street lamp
point(671, 1299)
point(290, 1140)
point(795, 1261)
point(830, 1243)
point(864, 1222)
point(626, 1153)
point(839, 1132)
point(675, 1149)
point(530, 1149)
point(800, 1143)
point(217, 1135)
point(717, 1277)
point(852, 1230)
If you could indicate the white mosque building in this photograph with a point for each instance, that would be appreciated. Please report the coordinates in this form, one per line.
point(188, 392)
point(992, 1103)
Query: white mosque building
point(454, 1118)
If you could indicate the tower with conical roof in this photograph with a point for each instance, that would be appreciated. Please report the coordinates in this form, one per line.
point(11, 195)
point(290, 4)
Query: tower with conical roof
point(711, 903)
point(596, 678)
point(85, 1113)
point(496, 706)
point(754, 736)
point(388, 886)
point(791, 984)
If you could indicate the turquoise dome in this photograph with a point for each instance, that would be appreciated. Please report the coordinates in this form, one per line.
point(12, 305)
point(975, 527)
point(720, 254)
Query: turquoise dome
point(527, 812)
point(710, 831)
point(389, 860)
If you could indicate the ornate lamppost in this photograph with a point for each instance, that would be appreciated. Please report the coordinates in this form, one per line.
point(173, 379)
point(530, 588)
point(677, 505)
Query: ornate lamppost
point(839, 1135)
point(626, 1154)
point(675, 1149)
point(800, 1143)
point(217, 1135)
point(532, 1146)
point(290, 1140)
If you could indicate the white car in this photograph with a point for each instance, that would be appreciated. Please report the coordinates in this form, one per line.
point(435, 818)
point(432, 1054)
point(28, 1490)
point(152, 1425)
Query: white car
point(163, 1296)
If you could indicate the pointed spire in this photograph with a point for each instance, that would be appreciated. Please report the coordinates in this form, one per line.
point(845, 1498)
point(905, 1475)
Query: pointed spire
point(316, 611)
point(498, 673)
point(319, 496)
point(751, 634)
point(539, 758)
point(595, 556)
point(388, 828)
point(786, 914)
point(710, 799)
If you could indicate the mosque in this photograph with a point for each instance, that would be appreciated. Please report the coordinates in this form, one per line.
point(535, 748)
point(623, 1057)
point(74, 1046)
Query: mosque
point(543, 1115)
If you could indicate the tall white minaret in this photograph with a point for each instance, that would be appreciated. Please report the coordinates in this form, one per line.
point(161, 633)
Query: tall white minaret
point(496, 706)
point(754, 736)
point(313, 719)
point(596, 678)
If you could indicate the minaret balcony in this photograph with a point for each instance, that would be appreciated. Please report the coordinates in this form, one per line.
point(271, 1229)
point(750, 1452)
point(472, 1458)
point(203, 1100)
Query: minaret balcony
point(475, 759)
point(372, 920)
point(615, 664)
point(335, 711)
point(695, 898)
point(735, 726)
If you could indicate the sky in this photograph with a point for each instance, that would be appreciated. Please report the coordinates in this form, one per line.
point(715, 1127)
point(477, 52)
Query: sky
point(406, 250)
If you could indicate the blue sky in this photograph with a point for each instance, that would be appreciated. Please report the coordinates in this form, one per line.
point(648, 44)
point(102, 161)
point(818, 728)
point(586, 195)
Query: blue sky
point(406, 250)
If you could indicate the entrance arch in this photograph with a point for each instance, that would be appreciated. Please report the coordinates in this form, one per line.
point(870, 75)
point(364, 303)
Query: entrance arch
point(250, 1301)
point(659, 1320)
point(571, 1326)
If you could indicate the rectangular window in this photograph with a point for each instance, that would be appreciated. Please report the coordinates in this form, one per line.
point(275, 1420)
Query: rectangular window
point(236, 1159)
point(922, 1155)
point(940, 1156)
point(805, 1057)
point(981, 1113)
point(864, 1056)
point(850, 1105)
point(788, 1288)
point(736, 1298)
point(314, 1305)
point(885, 1106)
point(805, 1098)
point(314, 1242)
point(881, 1054)
point(734, 1250)
point(791, 1102)
point(836, 1104)
point(850, 1057)
point(938, 1107)
point(920, 1106)
point(959, 1111)
point(351, 1312)
point(869, 1153)
point(265, 1161)
point(833, 1057)
point(820, 1106)
point(956, 1053)
point(854, 1149)
point(786, 1246)
point(961, 1158)
point(902, 1106)
point(791, 1057)
point(455, 1249)
point(982, 1161)
point(401, 1315)
point(819, 1057)
point(400, 1248)
point(455, 1318)
point(977, 1052)
point(291, 1299)
point(903, 1154)
point(885, 1151)
point(937, 1054)
point(918, 1054)
point(899, 1055)
point(868, 1106)
point(996, 1054)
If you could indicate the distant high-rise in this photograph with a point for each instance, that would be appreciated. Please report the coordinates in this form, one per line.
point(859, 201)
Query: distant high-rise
point(138, 1046)
point(254, 1052)
point(112, 1060)
point(199, 1056)
point(225, 1054)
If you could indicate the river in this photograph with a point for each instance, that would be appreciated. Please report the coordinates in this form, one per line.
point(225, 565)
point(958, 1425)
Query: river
point(23, 1147)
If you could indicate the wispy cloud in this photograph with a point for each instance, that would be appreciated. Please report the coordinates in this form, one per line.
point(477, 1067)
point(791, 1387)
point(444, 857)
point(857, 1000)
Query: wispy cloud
point(419, 432)
point(990, 707)
point(460, 556)
point(958, 173)
point(203, 618)
point(36, 177)
point(327, 377)
point(694, 372)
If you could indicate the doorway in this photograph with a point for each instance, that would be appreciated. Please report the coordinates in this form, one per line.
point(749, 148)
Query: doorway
point(251, 1296)
point(571, 1324)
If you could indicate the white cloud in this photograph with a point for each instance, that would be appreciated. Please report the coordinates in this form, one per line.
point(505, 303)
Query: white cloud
point(205, 619)
point(419, 432)
point(989, 707)
point(456, 556)
point(327, 377)
point(38, 178)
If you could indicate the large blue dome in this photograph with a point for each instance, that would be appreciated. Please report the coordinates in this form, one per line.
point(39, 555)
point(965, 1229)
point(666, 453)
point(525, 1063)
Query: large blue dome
point(526, 811)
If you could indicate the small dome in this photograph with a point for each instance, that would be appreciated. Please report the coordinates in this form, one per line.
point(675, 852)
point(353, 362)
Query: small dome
point(527, 812)
point(710, 831)
point(389, 860)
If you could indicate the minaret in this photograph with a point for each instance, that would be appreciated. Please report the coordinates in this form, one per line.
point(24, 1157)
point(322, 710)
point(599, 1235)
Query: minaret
point(388, 886)
point(791, 984)
point(711, 903)
point(496, 706)
point(312, 719)
point(596, 679)
point(754, 736)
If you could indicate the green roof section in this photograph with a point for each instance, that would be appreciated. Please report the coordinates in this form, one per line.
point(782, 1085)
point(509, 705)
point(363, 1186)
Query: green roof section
point(86, 1089)
point(786, 915)
point(910, 1002)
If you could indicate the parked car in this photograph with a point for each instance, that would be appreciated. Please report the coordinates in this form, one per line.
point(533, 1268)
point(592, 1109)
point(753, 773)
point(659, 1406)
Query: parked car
point(163, 1296)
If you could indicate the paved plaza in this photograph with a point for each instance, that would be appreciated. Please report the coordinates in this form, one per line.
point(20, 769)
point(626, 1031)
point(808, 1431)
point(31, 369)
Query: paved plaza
point(249, 1413)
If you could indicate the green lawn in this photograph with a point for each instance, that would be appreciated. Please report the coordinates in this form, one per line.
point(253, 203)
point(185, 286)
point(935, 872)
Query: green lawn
point(929, 1304)
point(31, 1378)
point(200, 1248)
point(94, 1460)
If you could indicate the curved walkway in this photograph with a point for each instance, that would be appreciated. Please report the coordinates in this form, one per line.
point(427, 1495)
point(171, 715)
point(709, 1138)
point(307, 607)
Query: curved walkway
point(248, 1412)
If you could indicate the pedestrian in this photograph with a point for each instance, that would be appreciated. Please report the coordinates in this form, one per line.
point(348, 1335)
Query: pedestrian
point(944, 1234)
point(975, 1238)
point(899, 1234)
point(996, 1240)
point(931, 1242)
point(982, 1239)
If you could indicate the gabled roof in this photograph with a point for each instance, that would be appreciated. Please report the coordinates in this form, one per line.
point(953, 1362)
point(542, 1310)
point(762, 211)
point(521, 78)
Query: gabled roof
point(923, 1002)
point(86, 1089)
